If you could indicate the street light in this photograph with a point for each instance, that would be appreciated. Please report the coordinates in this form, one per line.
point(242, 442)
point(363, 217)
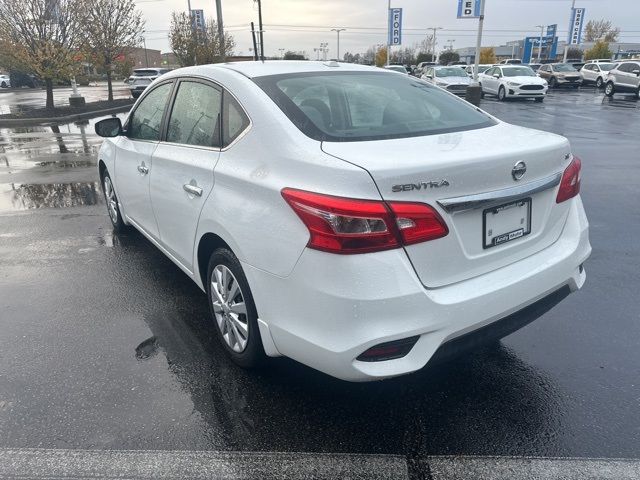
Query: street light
point(541, 27)
point(338, 30)
point(433, 54)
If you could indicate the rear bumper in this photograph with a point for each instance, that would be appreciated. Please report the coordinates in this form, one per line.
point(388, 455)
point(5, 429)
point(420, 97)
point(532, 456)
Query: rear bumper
point(334, 307)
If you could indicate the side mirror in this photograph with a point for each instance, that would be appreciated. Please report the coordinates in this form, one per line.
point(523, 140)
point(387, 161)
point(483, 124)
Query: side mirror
point(496, 75)
point(109, 127)
point(637, 72)
point(429, 76)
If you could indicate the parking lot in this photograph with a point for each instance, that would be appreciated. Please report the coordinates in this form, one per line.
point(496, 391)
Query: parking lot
point(105, 344)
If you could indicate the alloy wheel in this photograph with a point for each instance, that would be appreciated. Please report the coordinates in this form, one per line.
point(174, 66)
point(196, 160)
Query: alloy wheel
point(112, 202)
point(609, 89)
point(229, 308)
point(599, 82)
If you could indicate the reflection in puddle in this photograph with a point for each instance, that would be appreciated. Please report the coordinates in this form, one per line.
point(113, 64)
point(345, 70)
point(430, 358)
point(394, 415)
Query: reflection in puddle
point(626, 101)
point(50, 195)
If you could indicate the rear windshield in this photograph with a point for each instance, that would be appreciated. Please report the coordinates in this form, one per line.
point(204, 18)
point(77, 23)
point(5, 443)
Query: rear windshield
point(145, 73)
point(450, 72)
point(355, 106)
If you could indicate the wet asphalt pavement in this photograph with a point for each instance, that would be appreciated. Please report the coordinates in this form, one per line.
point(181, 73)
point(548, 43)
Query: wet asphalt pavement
point(105, 344)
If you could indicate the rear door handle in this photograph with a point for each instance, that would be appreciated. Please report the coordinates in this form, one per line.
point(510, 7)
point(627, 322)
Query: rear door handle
point(143, 169)
point(192, 189)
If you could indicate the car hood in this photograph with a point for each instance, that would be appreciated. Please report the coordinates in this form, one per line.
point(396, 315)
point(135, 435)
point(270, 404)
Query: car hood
point(465, 80)
point(526, 79)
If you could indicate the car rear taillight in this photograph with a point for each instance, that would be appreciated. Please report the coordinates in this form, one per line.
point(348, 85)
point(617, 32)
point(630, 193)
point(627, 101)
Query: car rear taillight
point(347, 225)
point(570, 183)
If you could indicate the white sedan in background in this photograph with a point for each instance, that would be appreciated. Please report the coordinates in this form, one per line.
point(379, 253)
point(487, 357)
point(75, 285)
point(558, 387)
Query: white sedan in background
point(358, 221)
point(513, 81)
point(5, 82)
point(452, 78)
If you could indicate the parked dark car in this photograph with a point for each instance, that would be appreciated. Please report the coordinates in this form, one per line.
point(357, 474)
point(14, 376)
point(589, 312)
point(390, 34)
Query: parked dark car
point(22, 79)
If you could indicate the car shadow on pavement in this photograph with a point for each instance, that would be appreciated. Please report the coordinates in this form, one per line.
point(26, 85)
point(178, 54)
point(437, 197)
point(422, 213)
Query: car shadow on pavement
point(489, 402)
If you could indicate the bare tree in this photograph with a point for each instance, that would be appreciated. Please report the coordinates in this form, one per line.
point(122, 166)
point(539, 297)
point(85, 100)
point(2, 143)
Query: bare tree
point(44, 36)
point(113, 28)
point(601, 30)
point(199, 46)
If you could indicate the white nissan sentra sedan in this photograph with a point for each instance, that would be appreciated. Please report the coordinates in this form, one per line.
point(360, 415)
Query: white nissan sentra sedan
point(361, 222)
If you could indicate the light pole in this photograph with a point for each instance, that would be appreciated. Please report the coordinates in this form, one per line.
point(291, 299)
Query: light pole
point(566, 47)
point(541, 27)
point(338, 30)
point(435, 29)
point(220, 29)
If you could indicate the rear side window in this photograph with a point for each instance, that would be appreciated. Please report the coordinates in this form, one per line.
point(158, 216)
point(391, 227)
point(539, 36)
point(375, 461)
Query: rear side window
point(355, 106)
point(234, 119)
point(146, 120)
point(195, 117)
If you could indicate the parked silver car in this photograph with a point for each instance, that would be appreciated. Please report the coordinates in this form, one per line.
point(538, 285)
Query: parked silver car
point(142, 78)
point(624, 78)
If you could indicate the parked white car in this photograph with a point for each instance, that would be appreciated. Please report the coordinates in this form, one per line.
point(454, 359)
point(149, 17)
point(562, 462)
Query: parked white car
point(142, 78)
point(5, 81)
point(356, 220)
point(453, 78)
point(481, 68)
point(513, 81)
point(596, 73)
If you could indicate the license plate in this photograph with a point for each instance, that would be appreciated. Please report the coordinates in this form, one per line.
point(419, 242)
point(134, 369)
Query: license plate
point(506, 222)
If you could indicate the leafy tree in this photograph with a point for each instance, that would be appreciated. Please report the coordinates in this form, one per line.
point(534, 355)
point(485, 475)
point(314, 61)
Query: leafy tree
point(424, 57)
point(113, 27)
point(289, 55)
point(601, 30)
point(599, 50)
point(197, 47)
point(574, 53)
point(44, 36)
point(487, 55)
point(123, 66)
point(381, 57)
point(449, 56)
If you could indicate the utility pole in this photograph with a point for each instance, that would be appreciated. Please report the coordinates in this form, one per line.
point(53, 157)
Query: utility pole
point(474, 91)
point(435, 29)
point(540, 46)
point(566, 47)
point(146, 56)
point(220, 29)
point(260, 30)
point(338, 30)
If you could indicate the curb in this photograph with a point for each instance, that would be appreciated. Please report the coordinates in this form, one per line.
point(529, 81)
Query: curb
point(22, 122)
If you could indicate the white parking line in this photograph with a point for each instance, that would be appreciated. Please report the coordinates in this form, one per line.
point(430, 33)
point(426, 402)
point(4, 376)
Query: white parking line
point(160, 464)
point(523, 468)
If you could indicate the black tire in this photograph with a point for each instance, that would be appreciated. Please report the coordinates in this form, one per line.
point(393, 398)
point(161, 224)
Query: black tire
point(252, 355)
point(539, 99)
point(3, 84)
point(553, 83)
point(638, 93)
point(609, 89)
point(502, 94)
point(599, 82)
point(481, 92)
point(111, 200)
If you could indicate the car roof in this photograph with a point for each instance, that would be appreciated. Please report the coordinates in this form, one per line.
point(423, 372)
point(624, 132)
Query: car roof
point(274, 67)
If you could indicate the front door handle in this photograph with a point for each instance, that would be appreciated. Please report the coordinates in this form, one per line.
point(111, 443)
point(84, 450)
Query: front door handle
point(143, 169)
point(192, 189)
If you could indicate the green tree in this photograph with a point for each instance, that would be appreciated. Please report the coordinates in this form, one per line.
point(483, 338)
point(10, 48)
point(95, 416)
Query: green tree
point(600, 30)
point(113, 27)
point(574, 53)
point(197, 47)
point(289, 55)
point(448, 56)
point(599, 50)
point(44, 36)
point(424, 57)
point(487, 55)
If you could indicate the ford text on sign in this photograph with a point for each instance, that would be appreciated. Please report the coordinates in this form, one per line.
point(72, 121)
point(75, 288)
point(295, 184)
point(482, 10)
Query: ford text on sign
point(395, 26)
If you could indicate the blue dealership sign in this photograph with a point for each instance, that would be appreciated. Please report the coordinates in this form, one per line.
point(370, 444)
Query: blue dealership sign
point(469, 8)
point(395, 26)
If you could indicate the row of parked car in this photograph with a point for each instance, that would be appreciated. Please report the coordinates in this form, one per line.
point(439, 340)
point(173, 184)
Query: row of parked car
point(512, 79)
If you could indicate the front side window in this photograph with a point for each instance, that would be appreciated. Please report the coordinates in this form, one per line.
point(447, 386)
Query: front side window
point(195, 117)
point(357, 106)
point(146, 120)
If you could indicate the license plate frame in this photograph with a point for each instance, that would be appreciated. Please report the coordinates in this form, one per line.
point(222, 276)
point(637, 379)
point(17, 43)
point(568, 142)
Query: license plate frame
point(508, 236)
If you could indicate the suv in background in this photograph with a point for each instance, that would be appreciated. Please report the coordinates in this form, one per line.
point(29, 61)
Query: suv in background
point(511, 61)
point(624, 78)
point(596, 72)
point(142, 78)
point(558, 74)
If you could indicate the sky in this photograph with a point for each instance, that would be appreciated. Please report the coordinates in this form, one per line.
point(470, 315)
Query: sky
point(301, 25)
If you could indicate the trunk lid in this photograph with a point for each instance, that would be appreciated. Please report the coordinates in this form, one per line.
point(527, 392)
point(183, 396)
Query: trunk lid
point(438, 168)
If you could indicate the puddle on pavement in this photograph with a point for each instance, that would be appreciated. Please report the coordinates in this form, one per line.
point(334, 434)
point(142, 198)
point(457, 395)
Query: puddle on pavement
point(49, 195)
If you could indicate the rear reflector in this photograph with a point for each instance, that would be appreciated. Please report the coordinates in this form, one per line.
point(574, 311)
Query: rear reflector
point(389, 350)
point(570, 183)
point(347, 225)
